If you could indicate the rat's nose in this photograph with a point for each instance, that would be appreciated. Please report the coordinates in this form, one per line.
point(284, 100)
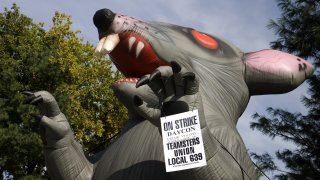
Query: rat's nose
point(103, 19)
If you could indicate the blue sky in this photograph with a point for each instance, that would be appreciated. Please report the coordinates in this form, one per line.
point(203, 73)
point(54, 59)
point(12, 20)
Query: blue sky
point(240, 22)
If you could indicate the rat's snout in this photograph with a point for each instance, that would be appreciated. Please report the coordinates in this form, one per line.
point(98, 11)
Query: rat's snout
point(108, 39)
point(103, 19)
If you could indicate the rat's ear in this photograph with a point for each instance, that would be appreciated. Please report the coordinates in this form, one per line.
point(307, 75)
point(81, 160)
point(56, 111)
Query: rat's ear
point(274, 72)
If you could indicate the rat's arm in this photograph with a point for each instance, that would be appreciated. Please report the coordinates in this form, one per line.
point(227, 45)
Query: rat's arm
point(273, 72)
point(64, 156)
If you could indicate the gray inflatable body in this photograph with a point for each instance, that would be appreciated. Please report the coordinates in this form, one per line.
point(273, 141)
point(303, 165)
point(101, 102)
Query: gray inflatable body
point(169, 69)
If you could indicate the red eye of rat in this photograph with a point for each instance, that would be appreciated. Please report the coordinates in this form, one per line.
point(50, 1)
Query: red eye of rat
point(205, 40)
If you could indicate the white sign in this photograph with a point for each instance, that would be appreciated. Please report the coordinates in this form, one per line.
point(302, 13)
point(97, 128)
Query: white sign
point(182, 141)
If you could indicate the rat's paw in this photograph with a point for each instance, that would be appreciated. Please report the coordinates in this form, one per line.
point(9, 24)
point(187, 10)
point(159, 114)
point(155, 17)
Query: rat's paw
point(177, 91)
point(46, 103)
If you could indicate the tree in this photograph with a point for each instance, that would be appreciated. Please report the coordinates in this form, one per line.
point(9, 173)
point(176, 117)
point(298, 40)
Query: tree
point(299, 33)
point(94, 112)
point(58, 61)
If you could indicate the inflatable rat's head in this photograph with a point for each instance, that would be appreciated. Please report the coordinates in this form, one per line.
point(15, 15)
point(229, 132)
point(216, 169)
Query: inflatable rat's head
point(138, 47)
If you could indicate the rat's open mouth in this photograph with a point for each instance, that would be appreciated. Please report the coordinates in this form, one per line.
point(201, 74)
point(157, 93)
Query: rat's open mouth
point(132, 54)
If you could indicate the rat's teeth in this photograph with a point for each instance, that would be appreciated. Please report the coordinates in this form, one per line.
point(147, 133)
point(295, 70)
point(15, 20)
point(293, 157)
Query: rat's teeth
point(99, 46)
point(131, 41)
point(127, 80)
point(108, 44)
point(139, 48)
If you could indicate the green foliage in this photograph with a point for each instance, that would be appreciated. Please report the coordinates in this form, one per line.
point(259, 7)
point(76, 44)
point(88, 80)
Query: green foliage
point(265, 163)
point(298, 129)
point(299, 33)
point(298, 28)
point(84, 85)
point(20, 148)
point(56, 60)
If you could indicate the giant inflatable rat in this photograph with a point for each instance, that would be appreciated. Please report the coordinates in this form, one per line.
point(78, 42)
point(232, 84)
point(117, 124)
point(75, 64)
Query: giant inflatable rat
point(169, 69)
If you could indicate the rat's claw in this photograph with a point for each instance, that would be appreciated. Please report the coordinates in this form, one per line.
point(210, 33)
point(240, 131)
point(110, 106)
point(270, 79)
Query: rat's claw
point(36, 100)
point(37, 116)
point(46, 103)
point(155, 75)
point(176, 68)
point(27, 93)
point(29, 98)
point(142, 81)
point(32, 98)
point(189, 76)
point(137, 101)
